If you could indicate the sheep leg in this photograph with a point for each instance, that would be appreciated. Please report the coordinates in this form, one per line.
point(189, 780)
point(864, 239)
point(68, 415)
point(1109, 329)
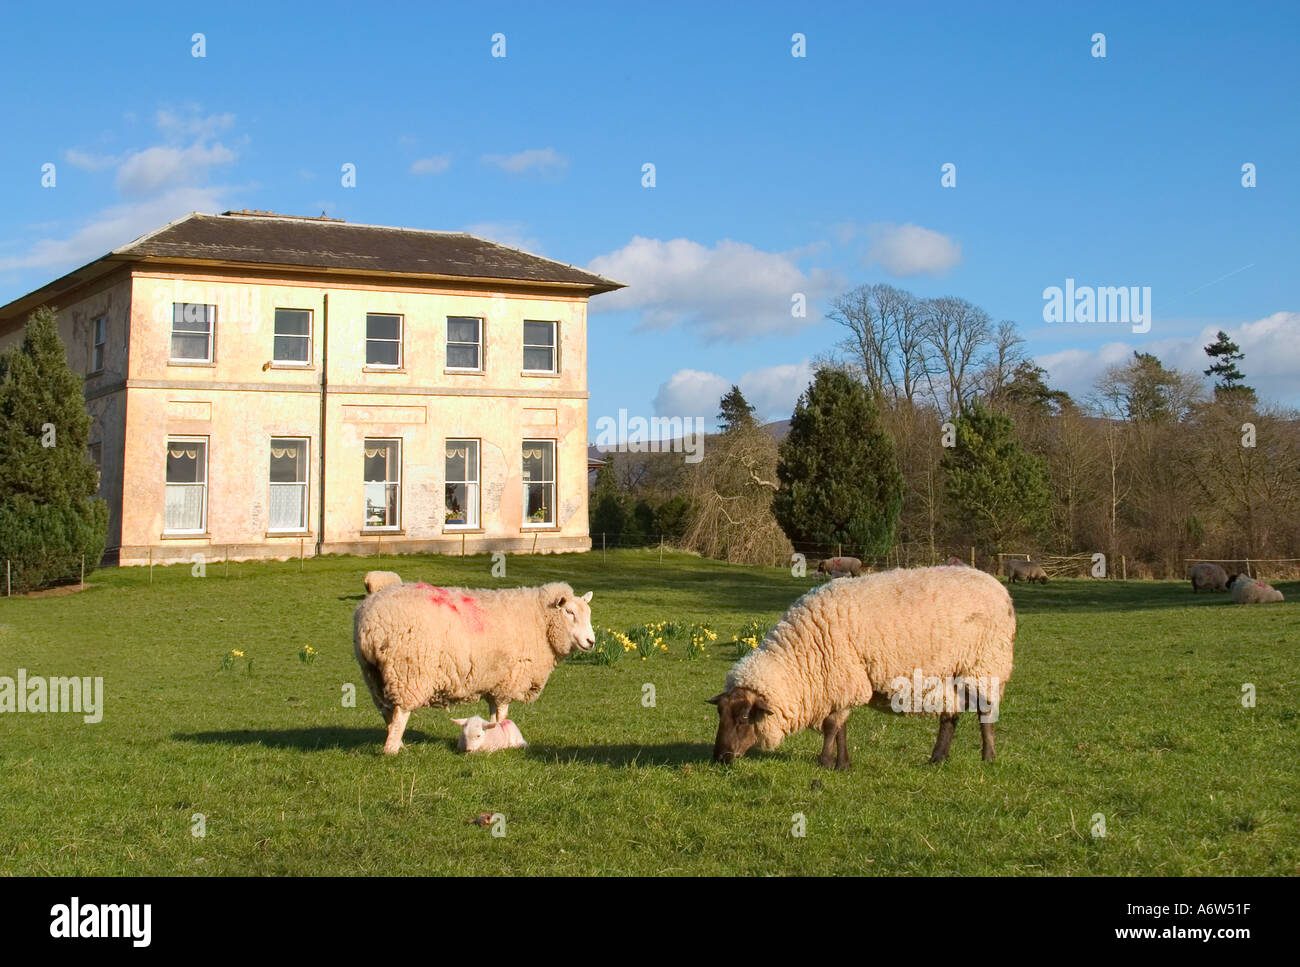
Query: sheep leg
point(833, 740)
point(396, 726)
point(947, 725)
point(986, 741)
point(842, 745)
point(499, 710)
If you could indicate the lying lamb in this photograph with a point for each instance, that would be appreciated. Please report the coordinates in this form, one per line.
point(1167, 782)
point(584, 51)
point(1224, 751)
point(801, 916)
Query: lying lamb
point(923, 641)
point(378, 580)
point(838, 567)
point(1207, 577)
point(420, 645)
point(1246, 590)
point(477, 735)
point(1018, 570)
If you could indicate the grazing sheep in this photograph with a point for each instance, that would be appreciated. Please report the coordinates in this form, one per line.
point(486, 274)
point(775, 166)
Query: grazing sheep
point(1018, 570)
point(378, 580)
point(838, 567)
point(1207, 577)
point(923, 641)
point(955, 561)
point(1246, 590)
point(477, 735)
point(420, 645)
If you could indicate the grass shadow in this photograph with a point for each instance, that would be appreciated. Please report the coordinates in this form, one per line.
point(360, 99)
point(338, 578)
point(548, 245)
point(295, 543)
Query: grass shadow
point(307, 740)
point(623, 756)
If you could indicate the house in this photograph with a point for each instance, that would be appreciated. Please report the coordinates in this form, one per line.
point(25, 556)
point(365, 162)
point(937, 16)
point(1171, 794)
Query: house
point(263, 385)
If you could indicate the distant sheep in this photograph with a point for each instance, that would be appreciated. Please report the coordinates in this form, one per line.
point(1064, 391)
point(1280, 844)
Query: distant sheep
point(919, 641)
point(955, 561)
point(838, 567)
point(1018, 570)
point(1207, 577)
point(378, 580)
point(478, 735)
point(420, 645)
point(1246, 590)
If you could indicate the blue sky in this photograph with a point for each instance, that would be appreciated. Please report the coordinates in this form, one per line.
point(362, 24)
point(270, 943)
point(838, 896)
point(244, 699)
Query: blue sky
point(774, 174)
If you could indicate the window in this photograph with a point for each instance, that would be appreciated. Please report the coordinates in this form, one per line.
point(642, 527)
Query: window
point(539, 347)
point(383, 340)
point(288, 485)
point(97, 347)
point(97, 458)
point(461, 500)
point(192, 326)
point(464, 343)
point(539, 483)
point(292, 337)
point(187, 486)
point(383, 482)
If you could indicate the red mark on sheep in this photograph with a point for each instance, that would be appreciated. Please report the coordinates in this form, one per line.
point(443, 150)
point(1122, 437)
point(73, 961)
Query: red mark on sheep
point(466, 607)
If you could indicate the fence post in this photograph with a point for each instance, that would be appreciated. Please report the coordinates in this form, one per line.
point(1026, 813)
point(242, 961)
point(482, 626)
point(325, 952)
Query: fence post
point(661, 548)
point(151, 565)
point(1248, 574)
point(602, 547)
point(227, 561)
point(1123, 566)
point(972, 556)
point(83, 569)
point(9, 589)
point(300, 557)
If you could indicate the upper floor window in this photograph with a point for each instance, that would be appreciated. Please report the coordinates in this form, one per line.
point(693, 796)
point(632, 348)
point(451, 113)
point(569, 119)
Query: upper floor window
point(100, 337)
point(464, 343)
point(192, 327)
point(292, 337)
point(97, 458)
point(383, 340)
point(539, 347)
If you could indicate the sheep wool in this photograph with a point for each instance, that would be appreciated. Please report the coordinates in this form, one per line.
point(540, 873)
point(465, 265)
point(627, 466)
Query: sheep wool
point(1246, 590)
point(378, 580)
point(850, 643)
point(1207, 577)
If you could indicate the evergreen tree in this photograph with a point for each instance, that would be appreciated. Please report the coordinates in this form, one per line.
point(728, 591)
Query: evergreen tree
point(49, 514)
point(1229, 380)
point(838, 471)
point(736, 410)
point(998, 490)
point(606, 514)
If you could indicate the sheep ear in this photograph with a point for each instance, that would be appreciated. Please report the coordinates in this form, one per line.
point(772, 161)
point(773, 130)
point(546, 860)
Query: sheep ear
point(760, 706)
point(490, 725)
point(559, 602)
point(587, 597)
point(460, 722)
point(717, 699)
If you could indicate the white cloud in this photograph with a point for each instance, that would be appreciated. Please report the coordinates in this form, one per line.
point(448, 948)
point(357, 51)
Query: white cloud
point(192, 124)
point(435, 165)
point(1271, 346)
point(534, 159)
point(90, 162)
point(772, 391)
point(731, 291)
point(159, 167)
point(906, 250)
point(513, 234)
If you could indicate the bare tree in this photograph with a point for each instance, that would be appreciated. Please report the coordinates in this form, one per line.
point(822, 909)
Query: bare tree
point(1004, 355)
point(957, 334)
point(885, 344)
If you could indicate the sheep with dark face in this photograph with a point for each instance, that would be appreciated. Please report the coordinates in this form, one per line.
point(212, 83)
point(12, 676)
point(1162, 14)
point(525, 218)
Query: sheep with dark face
point(839, 567)
point(1018, 570)
point(1208, 577)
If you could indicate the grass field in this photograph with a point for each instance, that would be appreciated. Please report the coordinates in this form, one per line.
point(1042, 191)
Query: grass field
point(1126, 702)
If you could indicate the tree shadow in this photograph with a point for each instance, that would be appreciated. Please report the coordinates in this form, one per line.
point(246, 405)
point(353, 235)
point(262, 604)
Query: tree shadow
point(351, 597)
point(309, 739)
point(623, 756)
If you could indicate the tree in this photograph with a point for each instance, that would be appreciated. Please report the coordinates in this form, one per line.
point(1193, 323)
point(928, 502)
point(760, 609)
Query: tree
point(998, 489)
point(1229, 380)
point(49, 515)
point(958, 333)
point(735, 411)
point(885, 341)
point(838, 472)
point(1143, 390)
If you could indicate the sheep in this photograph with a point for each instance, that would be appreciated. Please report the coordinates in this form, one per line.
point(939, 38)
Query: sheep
point(911, 641)
point(1018, 570)
point(476, 735)
point(1246, 590)
point(1207, 577)
point(955, 561)
point(838, 567)
point(420, 645)
point(378, 580)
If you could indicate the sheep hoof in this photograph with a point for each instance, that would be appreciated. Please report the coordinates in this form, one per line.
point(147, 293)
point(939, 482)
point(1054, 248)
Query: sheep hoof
point(826, 761)
point(843, 766)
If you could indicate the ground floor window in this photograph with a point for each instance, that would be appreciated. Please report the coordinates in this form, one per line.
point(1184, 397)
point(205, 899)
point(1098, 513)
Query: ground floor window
point(539, 482)
point(383, 482)
point(288, 477)
point(187, 485)
point(461, 499)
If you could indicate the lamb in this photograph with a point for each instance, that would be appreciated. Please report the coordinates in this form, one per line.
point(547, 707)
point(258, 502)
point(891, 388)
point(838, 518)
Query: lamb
point(838, 567)
point(378, 580)
point(911, 641)
point(1207, 577)
point(1018, 570)
point(476, 735)
point(420, 645)
point(1246, 590)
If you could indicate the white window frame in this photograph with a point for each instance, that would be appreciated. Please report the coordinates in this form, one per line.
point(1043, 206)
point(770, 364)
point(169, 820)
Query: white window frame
point(98, 341)
point(401, 337)
point(448, 342)
point(180, 441)
point(212, 334)
point(473, 486)
point(555, 472)
point(303, 485)
point(554, 347)
point(311, 332)
point(397, 524)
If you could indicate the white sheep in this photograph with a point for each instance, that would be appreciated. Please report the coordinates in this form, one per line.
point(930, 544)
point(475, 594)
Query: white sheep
point(838, 567)
point(1207, 577)
point(923, 641)
point(1018, 570)
point(1246, 590)
point(420, 645)
point(479, 735)
point(378, 580)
